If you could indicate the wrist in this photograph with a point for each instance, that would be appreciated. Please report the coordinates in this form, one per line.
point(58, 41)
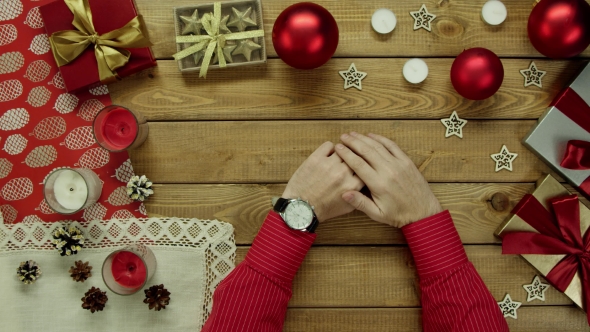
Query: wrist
point(318, 211)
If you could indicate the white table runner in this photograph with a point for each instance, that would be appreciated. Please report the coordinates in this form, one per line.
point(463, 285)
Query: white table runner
point(193, 256)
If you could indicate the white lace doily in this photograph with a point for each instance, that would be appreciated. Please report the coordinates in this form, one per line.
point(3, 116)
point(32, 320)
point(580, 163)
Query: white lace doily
point(208, 245)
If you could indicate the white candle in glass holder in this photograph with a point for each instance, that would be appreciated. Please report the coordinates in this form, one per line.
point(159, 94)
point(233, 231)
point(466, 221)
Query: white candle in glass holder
point(70, 190)
point(415, 71)
point(383, 21)
point(494, 12)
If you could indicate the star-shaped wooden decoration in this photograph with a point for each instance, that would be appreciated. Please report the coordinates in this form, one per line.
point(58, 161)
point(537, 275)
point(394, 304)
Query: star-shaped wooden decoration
point(198, 56)
point(535, 290)
point(241, 20)
point(532, 75)
point(352, 77)
point(509, 307)
point(454, 125)
point(422, 18)
point(227, 49)
point(246, 47)
point(504, 159)
point(192, 24)
point(223, 25)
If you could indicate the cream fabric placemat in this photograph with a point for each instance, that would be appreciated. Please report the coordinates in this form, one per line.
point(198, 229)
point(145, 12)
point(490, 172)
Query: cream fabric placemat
point(192, 255)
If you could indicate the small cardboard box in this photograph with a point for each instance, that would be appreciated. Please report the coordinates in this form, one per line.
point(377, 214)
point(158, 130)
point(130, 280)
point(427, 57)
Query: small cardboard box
point(258, 57)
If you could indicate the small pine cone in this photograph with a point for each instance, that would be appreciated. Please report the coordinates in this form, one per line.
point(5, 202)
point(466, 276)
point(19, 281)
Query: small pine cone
point(157, 297)
point(139, 188)
point(80, 271)
point(68, 241)
point(94, 300)
point(28, 272)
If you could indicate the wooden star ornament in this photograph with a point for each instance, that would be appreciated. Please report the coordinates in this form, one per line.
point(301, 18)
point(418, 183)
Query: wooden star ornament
point(241, 20)
point(422, 18)
point(532, 75)
point(192, 24)
point(504, 159)
point(227, 50)
point(509, 307)
point(454, 125)
point(352, 77)
point(535, 290)
point(246, 47)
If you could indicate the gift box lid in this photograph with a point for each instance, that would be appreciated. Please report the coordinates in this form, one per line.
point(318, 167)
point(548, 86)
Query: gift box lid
point(107, 15)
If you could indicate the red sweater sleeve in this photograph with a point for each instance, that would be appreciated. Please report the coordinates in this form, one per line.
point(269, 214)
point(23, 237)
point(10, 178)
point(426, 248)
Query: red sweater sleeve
point(454, 297)
point(254, 296)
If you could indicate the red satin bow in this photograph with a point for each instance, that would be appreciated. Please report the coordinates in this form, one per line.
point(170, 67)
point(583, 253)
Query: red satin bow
point(558, 235)
point(577, 155)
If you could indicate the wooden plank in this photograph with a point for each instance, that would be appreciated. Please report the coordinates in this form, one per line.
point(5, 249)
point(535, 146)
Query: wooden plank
point(245, 206)
point(347, 276)
point(276, 91)
point(538, 319)
point(270, 151)
point(458, 26)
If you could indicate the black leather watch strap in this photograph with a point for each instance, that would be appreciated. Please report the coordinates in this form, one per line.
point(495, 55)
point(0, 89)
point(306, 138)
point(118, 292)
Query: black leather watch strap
point(281, 205)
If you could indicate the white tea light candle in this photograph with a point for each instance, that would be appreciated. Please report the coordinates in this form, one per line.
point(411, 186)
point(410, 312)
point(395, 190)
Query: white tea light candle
point(383, 21)
point(70, 190)
point(415, 71)
point(494, 12)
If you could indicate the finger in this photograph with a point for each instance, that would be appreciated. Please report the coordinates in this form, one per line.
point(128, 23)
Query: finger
point(362, 203)
point(380, 148)
point(362, 149)
point(336, 157)
point(357, 183)
point(390, 145)
point(324, 150)
point(356, 163)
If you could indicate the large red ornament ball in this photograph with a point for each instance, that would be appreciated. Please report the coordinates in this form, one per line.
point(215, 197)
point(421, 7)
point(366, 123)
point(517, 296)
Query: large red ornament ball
point(477, 73)
point(305, 35)
point(560, 28)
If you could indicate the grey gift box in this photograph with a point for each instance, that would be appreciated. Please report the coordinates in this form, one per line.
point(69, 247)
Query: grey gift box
point(258, 57)
point(549, 138)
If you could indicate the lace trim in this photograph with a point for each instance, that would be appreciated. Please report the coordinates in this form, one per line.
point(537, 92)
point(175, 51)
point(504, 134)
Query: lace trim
point(213, 236)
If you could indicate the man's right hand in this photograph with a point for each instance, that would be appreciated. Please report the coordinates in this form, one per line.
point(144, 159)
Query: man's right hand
point(400, 194)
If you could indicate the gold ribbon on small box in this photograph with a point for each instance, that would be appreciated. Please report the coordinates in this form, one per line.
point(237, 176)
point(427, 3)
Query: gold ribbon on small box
point(109, 48)
point(213, 40)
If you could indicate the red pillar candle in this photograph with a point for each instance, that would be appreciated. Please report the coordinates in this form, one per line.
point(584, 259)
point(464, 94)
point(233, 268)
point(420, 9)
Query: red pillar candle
point(128, 270)
point(117, 128)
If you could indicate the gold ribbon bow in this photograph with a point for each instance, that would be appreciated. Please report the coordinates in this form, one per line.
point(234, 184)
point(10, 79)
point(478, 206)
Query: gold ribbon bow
point(109, 48)
point(213, 40)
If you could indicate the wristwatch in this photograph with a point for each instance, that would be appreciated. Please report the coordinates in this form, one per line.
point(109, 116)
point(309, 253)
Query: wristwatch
point(296, 213)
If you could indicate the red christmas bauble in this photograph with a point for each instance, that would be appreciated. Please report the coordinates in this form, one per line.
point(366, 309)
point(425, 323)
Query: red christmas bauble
point(477, 73)
point(305, 35)
point(560, 28)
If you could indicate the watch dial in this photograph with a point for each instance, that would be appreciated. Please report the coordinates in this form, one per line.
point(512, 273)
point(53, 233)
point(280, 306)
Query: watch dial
point(298, 215)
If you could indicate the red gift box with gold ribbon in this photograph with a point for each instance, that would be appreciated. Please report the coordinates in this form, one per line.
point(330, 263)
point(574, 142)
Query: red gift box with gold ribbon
point(562, 136)
point(550, 229)
point(96, 41)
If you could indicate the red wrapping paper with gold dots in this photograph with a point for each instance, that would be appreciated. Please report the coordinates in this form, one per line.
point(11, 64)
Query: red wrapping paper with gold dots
point(43, 127)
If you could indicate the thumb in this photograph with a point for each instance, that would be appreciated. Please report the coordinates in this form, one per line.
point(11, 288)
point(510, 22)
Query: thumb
point(362, 203)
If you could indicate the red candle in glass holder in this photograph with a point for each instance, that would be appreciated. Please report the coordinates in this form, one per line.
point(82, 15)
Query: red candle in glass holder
point(128, 269)
point(117, 128)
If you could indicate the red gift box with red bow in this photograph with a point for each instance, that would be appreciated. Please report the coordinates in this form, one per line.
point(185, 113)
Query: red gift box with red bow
point(107, 15)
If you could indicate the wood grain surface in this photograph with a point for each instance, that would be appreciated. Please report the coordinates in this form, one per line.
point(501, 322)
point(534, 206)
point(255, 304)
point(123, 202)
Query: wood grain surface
point(252, 93)
point(458, 26)
point(222, 147)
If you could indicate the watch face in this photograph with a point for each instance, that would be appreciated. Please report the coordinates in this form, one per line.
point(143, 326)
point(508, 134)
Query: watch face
point(298, 215)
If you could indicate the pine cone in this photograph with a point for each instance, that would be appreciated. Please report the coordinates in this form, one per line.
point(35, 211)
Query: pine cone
point(80, 271)
point(157, 297)
point(139, 188)
point(28, 272)
point(94, 300)
point(69, 241)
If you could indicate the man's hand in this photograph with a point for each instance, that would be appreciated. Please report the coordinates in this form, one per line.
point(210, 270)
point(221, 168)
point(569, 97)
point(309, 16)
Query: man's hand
point(322, 179)
point(400, 194)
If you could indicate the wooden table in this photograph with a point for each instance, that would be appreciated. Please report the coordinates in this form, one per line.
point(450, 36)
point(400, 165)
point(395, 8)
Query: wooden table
point(221, 147)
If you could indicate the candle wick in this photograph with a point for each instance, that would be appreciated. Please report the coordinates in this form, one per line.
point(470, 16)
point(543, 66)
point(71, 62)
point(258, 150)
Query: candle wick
point(71, 189)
